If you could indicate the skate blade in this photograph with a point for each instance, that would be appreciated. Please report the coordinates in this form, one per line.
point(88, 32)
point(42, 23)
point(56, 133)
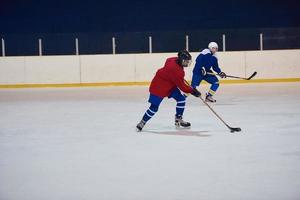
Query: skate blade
point(208, 101)
point(182, 127)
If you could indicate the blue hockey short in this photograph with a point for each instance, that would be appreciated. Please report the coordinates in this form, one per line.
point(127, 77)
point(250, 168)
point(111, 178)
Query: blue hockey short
point(156, 100)
point(208, 78)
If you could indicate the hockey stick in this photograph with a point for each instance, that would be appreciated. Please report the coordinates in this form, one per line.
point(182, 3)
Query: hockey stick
point(237, 129)
point(249, 78)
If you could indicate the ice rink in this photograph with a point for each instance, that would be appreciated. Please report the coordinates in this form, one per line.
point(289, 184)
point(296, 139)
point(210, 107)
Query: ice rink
point(81, 144)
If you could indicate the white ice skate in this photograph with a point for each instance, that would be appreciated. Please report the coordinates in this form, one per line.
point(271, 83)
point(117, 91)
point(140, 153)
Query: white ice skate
point(209, 98)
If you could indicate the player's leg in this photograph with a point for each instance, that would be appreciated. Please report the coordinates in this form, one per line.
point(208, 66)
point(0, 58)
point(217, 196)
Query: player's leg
point(180, 106)
point(150, 112)
point(196, 80)
point(214, 81)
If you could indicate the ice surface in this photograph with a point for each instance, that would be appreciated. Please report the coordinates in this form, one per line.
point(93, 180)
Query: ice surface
point(81, 144)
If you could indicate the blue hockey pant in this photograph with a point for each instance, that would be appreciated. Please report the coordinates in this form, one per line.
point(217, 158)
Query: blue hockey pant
point(155, 102)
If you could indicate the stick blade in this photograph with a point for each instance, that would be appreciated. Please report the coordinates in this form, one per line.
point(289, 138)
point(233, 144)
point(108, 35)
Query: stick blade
point(232, 130)
point(250, 77)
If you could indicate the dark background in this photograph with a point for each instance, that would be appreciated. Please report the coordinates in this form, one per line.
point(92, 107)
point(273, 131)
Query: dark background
point(94, 23)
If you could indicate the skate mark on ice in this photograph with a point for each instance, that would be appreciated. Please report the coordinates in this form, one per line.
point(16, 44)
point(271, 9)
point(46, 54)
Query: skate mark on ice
point(180, 133)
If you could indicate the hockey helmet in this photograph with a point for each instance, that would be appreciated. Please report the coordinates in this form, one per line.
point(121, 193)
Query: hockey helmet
point(212, 45)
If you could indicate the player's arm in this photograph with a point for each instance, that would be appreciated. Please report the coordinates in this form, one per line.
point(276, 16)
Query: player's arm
point(198, 69)
point(184, 87)
point(217, 69)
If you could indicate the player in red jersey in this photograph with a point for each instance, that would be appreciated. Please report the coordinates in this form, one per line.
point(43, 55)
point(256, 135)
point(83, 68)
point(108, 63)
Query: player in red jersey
point(169, 82)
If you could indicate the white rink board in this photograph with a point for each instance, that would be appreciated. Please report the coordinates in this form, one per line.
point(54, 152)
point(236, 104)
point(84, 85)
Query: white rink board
point(107, 68)
point(148, 64)
point(282, 64)
point(233, 63)
point(52, 69)
point(122, 68)
point(12, 70)
point(80, 143)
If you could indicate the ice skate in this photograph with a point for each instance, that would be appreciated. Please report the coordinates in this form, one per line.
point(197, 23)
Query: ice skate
point(180, 123)
point(209, 98)
point(140, 126)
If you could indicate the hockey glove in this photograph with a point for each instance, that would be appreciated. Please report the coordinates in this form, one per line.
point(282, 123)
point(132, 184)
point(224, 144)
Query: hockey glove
point(196, 93)
point(203, 71)
point(222, 75)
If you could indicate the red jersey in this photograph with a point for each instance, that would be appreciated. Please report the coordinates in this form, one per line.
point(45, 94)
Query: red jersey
point(168, 78)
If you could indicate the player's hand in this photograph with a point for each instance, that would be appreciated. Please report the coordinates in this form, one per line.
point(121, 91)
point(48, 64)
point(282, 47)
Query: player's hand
point(203, 71)
point(222, 75)
point(196, 93)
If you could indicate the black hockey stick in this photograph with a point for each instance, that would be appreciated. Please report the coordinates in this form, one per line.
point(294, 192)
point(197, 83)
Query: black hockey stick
point(249, 78)
point(230, 128)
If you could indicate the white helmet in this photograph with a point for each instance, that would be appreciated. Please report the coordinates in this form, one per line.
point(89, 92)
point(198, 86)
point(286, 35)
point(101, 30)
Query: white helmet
point(212, 45)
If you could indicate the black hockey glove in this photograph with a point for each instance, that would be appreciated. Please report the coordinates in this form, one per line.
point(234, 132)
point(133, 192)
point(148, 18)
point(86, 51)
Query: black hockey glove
point(196, 93)
point(222, 75)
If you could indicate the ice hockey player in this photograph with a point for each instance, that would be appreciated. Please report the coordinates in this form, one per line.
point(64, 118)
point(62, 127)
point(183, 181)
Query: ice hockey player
point(206, 60)
point(169, 82)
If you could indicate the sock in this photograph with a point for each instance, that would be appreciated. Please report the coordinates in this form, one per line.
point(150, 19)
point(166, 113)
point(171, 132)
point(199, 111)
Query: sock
point(150, 112)
point(180, 108)
point(213, 89)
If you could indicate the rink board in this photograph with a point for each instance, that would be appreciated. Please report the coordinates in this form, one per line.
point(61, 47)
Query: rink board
point(139, 69)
